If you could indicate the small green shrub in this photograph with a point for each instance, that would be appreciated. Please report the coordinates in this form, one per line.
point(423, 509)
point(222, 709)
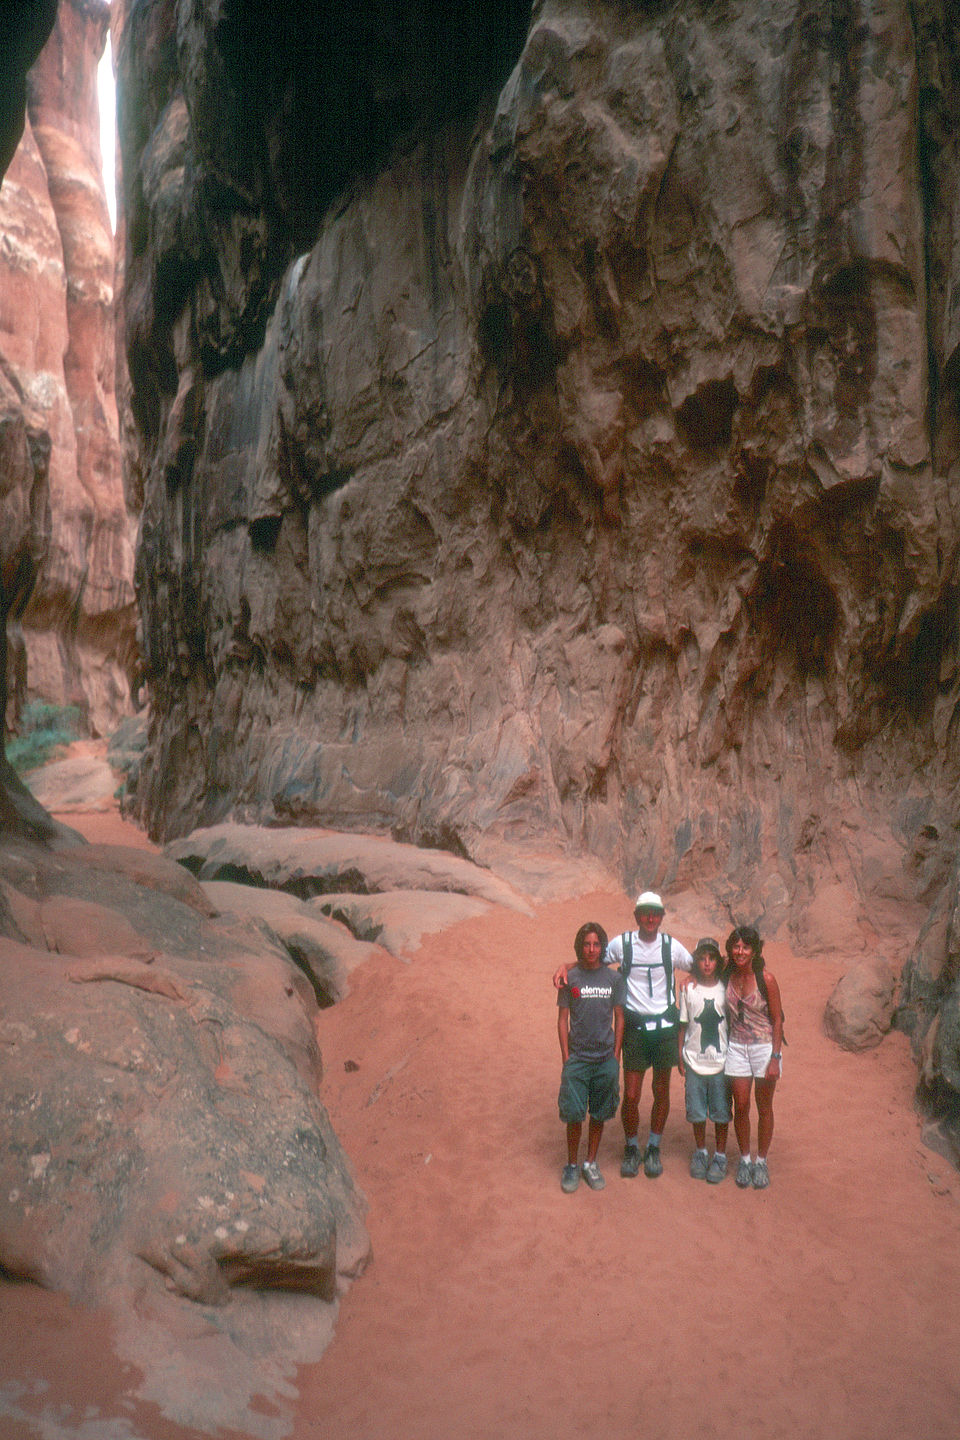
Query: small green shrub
point(44, 731)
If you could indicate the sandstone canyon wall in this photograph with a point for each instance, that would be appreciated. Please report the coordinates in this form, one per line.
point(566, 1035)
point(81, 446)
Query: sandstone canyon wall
point(24, 33)
point(548, 429)
point(75, 641)
point(165, 1153)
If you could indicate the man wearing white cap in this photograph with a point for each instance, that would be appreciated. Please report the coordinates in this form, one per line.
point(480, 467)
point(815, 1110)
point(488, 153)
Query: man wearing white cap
point(647, 959)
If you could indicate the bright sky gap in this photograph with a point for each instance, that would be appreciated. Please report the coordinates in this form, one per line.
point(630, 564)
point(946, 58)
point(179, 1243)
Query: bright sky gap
point(108, 127)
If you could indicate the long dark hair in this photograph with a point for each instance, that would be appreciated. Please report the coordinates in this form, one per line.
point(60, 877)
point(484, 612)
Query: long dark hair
point(582, 934)
point(750, 937)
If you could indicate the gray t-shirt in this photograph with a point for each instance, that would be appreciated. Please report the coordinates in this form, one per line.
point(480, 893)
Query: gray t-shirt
point(590, 996)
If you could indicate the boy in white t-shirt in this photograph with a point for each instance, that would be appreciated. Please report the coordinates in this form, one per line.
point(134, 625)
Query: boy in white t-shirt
point(702, 1045)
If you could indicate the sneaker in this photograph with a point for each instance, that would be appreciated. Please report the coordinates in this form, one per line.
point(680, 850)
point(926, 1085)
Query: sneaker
point(698, 1165)
point(717, 1169)
point(744, 1173)
point(630, 1164)
point(570, 1179)
point(591, 1174)
point(652, 1164)
point(761, 1175)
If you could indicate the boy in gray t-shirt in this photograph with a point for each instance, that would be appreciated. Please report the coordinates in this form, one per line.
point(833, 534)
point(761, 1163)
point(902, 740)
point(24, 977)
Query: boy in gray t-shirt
point(590, 1027)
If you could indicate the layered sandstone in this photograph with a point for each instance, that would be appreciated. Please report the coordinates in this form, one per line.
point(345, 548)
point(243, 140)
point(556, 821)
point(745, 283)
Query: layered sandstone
point(165, 1151)
point(57, 349)
point(569, 451)
point(24, 443)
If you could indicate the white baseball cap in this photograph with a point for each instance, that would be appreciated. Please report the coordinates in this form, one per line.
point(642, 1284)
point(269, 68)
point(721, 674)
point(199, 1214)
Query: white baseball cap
point(649, 900)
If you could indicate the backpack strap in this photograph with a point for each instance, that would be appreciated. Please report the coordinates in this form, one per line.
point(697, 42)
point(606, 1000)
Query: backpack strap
point(666, 955)
point(666, 958)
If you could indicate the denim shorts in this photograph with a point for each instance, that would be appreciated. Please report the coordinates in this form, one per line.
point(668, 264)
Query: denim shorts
point(592, 1085)
point(708, 1097)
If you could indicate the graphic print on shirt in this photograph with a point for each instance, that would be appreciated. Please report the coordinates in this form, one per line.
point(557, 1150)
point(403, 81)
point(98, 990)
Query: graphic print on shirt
point(709, 1021)
point(703, 1011)
point(590, 996)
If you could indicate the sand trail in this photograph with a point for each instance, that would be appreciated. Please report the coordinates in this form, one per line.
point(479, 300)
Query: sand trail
point(495, 1305)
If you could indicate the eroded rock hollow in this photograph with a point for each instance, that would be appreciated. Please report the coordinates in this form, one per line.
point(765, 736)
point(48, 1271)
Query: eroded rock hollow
point(547, 428)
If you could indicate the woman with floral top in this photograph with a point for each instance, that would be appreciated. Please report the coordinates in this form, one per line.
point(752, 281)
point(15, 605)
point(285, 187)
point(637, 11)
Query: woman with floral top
point(755, 1026)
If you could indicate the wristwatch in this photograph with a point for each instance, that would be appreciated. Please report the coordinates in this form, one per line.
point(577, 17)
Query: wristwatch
point(776, 1055)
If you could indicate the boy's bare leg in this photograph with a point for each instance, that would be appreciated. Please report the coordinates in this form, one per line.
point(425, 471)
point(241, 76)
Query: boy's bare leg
point(700, 1134)
point(593, 1138)
point(574, 1131)
point(721, 1131)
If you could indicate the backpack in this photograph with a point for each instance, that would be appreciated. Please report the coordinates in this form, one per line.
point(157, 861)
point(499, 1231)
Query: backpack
point(672, 1014)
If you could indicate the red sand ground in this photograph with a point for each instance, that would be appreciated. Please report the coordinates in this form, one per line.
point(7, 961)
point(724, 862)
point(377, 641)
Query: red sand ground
point(495, 1305)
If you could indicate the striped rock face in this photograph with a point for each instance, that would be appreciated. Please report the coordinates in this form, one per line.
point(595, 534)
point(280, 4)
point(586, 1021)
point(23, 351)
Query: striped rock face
point(75, 639)
point(566, 463)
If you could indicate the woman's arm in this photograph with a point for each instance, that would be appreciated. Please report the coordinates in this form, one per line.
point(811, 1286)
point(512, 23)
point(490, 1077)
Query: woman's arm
point(775, 1007)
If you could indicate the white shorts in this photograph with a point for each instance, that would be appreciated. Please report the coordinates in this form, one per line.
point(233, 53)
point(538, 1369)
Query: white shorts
point(749, 1059)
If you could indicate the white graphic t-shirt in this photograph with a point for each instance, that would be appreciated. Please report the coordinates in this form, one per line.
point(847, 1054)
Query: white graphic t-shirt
point(703, 1010)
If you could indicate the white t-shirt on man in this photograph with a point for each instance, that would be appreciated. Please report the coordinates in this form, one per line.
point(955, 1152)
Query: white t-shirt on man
point(647, 981)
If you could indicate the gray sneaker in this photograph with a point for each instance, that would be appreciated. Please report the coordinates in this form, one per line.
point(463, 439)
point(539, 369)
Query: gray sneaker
point(744, 1173)
point(652, 1164)
point(591, 1174)
point(698, 1165)
point(717, 1169)
point(570, 1179)
point(761, 1175)
point(630, 1164)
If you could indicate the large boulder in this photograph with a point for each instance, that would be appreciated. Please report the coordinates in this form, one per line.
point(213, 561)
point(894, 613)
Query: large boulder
point(860, 1009)
point(398, 919)
point(325, 950)
point(308, 862)
point(166, 1152)
point(930, 1013)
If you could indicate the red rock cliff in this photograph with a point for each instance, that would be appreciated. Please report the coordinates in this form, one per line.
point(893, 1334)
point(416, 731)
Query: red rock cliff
point(557, 436)
point(57, 349)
